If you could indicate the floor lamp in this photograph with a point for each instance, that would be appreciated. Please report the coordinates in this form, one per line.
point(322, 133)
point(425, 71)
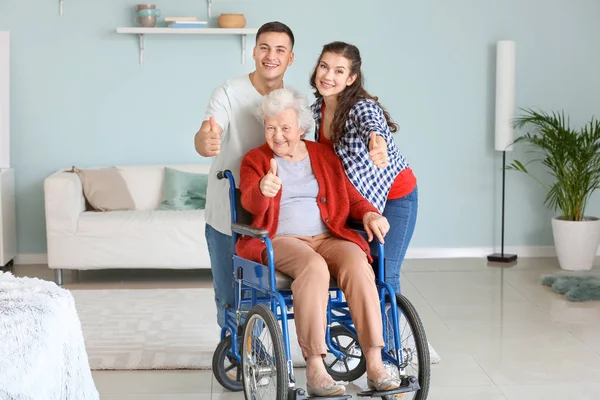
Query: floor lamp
point(505, 110)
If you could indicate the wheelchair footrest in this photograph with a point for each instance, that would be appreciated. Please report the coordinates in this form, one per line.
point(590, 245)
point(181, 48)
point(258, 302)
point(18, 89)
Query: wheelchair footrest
point(301, 394)
point(409, 384)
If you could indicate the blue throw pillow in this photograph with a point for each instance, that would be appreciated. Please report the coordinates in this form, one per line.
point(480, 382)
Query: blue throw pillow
point(183, 190)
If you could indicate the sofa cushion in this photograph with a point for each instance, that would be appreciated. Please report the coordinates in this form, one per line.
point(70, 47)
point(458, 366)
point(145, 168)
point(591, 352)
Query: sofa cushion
point(124, 224)
point(133, 239)
point(105, 189)
point(183, 190)
point(145, 182)
point(141, 223)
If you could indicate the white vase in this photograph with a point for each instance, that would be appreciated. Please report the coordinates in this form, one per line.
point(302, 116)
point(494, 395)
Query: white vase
point(576, 242)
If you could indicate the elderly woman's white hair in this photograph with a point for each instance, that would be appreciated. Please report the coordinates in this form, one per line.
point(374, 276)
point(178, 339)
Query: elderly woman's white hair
point(283, 99)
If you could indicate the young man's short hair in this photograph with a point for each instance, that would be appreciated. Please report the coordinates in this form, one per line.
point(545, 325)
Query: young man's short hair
point(275, 26)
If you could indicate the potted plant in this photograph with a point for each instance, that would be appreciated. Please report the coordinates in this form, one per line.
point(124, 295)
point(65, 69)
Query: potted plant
point(572, 157)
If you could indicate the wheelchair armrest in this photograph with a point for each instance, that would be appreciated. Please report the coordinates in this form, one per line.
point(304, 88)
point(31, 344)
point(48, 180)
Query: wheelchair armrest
point(249, 230)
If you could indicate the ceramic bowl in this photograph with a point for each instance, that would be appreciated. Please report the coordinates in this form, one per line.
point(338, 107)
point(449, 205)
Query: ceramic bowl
point(232, 21)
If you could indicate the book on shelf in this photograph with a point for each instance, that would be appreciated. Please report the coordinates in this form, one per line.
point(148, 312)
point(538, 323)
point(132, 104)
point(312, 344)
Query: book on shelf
point(175, 19)
point(176, 25)
point(187, 24)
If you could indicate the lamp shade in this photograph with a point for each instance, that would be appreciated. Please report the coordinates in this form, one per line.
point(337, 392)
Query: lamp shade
point(505, 95)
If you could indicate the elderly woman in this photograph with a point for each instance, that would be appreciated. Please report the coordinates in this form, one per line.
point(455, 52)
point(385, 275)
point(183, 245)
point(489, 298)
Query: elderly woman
point(298, 191)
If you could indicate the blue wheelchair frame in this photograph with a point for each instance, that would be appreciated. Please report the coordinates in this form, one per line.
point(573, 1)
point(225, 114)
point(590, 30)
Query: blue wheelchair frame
point(256, 283)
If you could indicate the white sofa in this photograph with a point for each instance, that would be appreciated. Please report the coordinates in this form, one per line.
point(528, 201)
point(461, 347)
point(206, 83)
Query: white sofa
point(82, 239)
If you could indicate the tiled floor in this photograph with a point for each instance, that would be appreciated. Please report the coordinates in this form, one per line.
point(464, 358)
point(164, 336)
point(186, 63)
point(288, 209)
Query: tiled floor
point(500, 334)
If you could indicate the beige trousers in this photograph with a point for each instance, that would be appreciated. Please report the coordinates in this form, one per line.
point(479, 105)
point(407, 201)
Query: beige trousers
point(311, 260)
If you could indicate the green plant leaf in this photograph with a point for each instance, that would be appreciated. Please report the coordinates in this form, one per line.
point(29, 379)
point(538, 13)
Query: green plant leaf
point(571, 157)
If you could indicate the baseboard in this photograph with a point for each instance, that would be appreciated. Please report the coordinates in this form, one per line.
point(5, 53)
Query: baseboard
point(31, 259)
point(479, 252)
point(413, 253)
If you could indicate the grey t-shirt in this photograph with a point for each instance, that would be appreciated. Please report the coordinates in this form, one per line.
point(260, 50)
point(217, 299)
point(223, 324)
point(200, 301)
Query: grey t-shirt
point(299, 214)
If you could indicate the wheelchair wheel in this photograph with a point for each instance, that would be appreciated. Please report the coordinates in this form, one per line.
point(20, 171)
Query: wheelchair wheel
point(415, 349)
point(264, 364)
point(226, 368)
point(355, 365)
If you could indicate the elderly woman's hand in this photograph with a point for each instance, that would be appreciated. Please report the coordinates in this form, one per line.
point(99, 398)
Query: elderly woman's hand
point(375, 224)
point(270, 183)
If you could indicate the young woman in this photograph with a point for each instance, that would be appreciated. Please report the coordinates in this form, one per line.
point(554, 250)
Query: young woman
point(358, 128)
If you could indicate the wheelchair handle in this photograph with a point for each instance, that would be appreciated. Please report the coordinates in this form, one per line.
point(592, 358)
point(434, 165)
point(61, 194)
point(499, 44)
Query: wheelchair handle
point(221, 174)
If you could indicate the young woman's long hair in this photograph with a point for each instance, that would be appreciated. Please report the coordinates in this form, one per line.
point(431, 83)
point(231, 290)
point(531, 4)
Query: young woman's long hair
point(351, 94)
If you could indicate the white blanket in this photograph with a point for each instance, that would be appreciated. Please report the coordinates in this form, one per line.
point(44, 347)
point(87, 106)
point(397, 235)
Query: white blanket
point(42, 352)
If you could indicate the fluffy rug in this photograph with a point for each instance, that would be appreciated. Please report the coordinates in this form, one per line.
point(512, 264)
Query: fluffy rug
point(575, 288)
point(42, 351)
point(155, 328)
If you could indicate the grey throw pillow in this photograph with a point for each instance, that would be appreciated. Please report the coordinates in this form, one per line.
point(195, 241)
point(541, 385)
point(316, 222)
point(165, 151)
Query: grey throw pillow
point(105, 189)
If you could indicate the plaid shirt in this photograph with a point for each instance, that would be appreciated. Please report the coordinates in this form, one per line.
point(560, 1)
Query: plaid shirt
point(353, 150)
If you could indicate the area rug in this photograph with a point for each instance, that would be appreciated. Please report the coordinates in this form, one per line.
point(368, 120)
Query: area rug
point(151, 328)
point(143, 329)
point(576, 288)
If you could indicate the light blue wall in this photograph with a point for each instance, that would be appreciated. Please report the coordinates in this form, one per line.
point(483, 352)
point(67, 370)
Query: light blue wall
point(79, 96)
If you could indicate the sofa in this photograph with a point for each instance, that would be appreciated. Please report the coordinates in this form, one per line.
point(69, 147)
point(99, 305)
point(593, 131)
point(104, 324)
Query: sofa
point(139, 234)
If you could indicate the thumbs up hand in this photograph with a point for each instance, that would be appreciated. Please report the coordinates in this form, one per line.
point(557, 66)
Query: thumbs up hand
point(208, 138)
point(378, 150)
point(270, 183)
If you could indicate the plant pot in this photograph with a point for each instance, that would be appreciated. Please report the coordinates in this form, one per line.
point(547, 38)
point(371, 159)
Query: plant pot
point(231, 21)
point(576, 242)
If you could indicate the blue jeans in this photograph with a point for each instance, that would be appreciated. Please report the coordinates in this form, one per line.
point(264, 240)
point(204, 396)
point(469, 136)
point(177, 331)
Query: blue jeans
point(402, 216)
point(221, 264)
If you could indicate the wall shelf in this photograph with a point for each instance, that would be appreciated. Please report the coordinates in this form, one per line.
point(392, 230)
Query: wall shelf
point(141, 32)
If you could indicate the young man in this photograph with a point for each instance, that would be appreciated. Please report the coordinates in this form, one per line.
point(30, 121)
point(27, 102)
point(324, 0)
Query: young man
point(229, 131)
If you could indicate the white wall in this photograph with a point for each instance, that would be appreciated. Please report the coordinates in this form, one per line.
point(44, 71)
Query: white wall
point(4, 100)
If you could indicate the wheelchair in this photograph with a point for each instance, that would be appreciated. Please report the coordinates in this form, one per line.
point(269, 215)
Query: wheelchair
point(254, 349)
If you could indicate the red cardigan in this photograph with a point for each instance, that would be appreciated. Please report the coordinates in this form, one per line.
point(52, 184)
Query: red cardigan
point(338, 199)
